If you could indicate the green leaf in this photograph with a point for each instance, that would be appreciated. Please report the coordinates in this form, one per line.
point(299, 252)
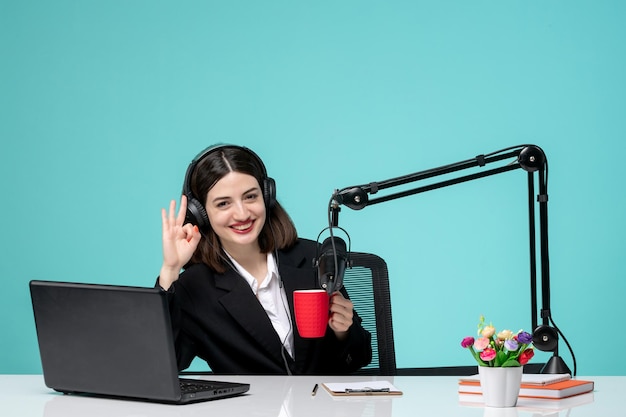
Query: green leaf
point(476, 356)
point(501, 358)
point(511, 363)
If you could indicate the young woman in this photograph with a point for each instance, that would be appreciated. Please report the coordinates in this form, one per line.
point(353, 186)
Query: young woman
point(233, 304)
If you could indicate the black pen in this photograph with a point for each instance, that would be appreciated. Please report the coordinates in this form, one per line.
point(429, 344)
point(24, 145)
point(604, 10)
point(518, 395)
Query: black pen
point(314, 391)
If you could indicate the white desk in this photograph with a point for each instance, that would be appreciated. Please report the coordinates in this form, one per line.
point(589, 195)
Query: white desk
point(277, 396)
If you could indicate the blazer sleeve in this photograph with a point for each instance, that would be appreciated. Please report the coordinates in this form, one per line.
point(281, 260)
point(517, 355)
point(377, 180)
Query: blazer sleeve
point(184, 346)
point(351, 354)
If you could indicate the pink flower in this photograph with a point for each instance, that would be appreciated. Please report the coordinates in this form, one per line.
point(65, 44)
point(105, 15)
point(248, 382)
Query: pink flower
point(481, 343)
point(488, 354)
point(525, 356)
point(467, 341)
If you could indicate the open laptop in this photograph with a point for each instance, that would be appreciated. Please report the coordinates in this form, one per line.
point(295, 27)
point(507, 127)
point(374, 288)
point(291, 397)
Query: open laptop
point(113, 341)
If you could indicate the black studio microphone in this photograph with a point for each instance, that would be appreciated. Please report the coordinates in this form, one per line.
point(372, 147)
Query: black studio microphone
point(331, 264)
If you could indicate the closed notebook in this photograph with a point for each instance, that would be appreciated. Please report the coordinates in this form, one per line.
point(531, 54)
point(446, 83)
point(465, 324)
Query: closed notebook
point(561, 389)
point(527, 379)
point(535, 404)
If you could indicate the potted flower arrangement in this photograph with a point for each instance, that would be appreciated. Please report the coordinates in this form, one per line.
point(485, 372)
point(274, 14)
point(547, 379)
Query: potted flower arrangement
point(500, 357)
point(502, 349)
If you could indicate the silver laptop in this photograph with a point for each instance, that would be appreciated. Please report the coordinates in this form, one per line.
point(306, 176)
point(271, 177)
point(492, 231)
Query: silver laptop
point(113, 341)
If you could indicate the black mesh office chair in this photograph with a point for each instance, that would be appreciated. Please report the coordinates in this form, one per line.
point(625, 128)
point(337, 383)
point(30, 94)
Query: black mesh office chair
point(367, 283)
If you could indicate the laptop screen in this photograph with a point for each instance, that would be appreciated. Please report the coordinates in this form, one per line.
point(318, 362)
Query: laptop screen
point(107, 340)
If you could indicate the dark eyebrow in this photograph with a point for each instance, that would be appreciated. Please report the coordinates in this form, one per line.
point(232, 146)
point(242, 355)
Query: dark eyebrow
point(251, 190)
point(218, 199)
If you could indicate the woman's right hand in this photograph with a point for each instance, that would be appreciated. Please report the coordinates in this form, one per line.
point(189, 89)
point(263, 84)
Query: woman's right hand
point(179, 242)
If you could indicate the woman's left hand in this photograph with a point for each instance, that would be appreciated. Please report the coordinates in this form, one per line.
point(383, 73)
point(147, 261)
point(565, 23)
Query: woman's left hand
point(341, 313)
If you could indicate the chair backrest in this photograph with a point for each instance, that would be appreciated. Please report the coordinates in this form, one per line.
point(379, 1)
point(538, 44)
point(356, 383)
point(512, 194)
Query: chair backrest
point(367, 283)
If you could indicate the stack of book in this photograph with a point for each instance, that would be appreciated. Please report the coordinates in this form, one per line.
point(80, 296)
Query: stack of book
point(537, 390)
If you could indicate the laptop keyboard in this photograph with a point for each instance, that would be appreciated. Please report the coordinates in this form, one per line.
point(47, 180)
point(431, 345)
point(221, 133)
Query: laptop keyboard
point(193, 385)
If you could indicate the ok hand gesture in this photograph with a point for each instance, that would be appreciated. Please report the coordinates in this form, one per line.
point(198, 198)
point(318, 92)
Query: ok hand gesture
point(179, 242)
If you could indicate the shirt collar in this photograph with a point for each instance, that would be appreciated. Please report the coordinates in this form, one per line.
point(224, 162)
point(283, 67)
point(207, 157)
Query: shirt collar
point(272, 272)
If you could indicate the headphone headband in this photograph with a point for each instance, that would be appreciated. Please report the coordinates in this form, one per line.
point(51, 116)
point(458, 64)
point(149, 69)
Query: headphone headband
point(196, 213)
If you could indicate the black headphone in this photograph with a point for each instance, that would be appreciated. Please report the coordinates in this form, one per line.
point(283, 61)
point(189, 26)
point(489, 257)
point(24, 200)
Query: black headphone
point(196, 213)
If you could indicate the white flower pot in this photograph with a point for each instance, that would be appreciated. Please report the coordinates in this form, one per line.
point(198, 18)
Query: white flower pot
point(500, 386)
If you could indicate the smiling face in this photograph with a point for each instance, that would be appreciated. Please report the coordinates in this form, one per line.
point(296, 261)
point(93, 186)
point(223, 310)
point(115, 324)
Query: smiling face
point(236, 211)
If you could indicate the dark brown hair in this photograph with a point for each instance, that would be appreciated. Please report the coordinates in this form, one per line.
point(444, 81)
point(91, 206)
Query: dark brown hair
point(278, 232)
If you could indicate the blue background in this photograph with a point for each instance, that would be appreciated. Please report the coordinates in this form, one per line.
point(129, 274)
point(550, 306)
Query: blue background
point(104, 103)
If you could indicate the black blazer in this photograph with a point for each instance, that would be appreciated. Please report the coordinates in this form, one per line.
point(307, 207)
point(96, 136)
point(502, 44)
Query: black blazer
point(218, 318)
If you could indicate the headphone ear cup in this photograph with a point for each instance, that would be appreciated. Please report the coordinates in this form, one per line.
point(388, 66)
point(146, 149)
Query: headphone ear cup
point(196, 214)
point(545, 338)
point(269, 192)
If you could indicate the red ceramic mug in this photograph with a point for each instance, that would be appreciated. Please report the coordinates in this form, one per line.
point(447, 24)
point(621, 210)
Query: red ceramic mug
point(311, 310)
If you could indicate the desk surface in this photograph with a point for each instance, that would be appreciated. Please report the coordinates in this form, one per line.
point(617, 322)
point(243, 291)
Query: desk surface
point(282, 396)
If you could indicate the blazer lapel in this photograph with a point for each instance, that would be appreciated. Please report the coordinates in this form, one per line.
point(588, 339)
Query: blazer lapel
point(295, 275)
point(250, 315)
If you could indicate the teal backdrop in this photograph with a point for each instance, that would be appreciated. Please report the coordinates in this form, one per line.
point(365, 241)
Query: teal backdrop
point(104, 103)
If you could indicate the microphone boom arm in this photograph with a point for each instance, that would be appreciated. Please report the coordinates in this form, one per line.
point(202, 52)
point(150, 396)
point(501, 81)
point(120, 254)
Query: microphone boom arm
point(356, 197)
point(530, 158)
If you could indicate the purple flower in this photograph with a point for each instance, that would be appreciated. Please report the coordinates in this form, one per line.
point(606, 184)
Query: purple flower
point(510, 345)
point(467, 342)
point(524, 337)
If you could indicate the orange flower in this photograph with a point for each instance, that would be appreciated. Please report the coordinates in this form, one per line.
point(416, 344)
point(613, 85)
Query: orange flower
point(488, 331)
